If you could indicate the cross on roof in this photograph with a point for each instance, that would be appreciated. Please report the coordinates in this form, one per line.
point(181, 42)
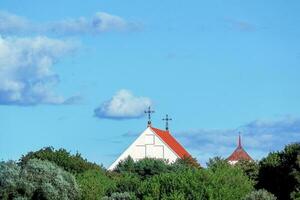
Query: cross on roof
point(149, 112)
point(167, 119)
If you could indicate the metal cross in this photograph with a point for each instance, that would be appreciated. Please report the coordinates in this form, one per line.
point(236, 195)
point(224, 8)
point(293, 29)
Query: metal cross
point(167, 119)
point(149, 112)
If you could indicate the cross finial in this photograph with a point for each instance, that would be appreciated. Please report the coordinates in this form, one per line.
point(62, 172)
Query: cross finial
point(167, 119)
point(149, 112)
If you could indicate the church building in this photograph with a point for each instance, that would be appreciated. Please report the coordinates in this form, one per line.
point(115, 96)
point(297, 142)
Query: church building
point(154, 143)
point(239, 154)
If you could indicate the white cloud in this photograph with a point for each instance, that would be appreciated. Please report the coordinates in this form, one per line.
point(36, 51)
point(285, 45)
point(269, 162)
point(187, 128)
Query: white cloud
point(106, 22)
point(123, 105)
point(10, 23)
point(26, 76)
point(99, 23)
point(259, 138)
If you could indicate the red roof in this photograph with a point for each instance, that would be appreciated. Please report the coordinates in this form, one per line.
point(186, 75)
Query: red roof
point(171, 142)
point(239, 153)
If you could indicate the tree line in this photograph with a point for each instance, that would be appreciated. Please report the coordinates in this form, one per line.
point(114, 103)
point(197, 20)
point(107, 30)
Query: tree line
point(56, 174)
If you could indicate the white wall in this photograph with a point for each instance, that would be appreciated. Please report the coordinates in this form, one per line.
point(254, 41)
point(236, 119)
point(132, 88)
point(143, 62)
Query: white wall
point(148, 144)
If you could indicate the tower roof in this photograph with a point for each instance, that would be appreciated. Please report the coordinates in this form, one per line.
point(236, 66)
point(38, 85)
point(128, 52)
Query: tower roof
point(171, 142)
point(239, 153)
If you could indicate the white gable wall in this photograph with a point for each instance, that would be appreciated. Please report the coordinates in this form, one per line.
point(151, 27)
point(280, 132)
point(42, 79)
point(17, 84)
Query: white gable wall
point(148, 144)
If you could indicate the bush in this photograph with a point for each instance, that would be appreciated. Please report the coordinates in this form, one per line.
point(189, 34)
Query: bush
point(120, 196)
point(127, 182)
point(93, 184)
point(37, 180)
point(260, 195)
point(11, 184)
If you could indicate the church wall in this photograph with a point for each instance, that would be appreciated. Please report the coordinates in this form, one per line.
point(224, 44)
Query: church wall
point(147, 145)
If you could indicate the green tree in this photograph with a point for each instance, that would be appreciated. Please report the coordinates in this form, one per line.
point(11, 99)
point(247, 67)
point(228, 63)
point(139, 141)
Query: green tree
point(188, 184)
point(11, 184)
point(37, 179)
point(145, 168)
point(126, 166)
point(127, 182)
point(93, 184)
point(250, 168)
point(279, 172)
point(227, 182)
point(61, 157)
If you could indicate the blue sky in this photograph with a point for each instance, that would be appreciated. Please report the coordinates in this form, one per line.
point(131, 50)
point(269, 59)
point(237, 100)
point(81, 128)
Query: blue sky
point(79, 75)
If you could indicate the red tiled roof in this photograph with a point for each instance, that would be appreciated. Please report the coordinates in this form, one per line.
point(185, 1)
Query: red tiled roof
point(171, 142)
point(239, 153)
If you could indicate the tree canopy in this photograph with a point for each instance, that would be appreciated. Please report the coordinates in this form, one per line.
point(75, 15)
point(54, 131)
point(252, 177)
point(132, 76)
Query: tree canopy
point(50, 174)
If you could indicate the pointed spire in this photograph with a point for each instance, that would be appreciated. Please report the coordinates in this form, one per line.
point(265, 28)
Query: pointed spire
point(240, 141)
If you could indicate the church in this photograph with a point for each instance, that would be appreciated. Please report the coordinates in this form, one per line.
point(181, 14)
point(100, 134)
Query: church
point(154, 143)
point(160, 144)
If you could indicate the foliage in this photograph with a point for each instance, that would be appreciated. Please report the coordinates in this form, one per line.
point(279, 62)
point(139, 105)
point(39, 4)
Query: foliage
point(188, 184)
point(126, 182)
point(126, 165)
point(37, 180)
point(279, 172)
point(250, 168)
point(149, 167)
point(145, 168)
point(61, 157)
point(260, 195)
point(187, 161)
point(10, 182)
point(45, 174)
point(120, 196)
point(215, 162)
point(227, 182)
point(93, 184)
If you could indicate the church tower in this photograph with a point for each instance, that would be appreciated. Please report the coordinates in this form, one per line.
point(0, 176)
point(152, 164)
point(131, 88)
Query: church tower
point(239, 154)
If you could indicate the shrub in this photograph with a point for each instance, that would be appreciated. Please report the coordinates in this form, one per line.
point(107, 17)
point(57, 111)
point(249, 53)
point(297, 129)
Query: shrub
point(120, 196)
point(260, 195)
point(93, 184)
point(37, 180)
point(50, 181)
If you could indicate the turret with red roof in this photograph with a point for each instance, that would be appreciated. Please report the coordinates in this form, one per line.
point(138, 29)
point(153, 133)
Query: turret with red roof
point(239, 154)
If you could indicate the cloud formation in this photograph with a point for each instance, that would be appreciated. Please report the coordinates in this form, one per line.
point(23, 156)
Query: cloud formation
point(10, 23)
point(259, 138)
point(99, 23)
point(26, 76)
point(123, 105)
